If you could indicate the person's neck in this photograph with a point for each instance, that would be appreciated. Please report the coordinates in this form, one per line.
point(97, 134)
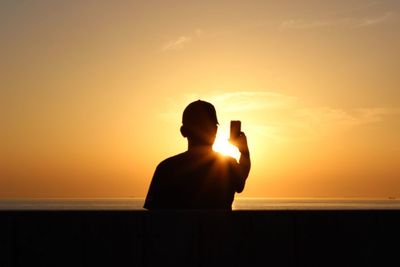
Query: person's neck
point(199, 148)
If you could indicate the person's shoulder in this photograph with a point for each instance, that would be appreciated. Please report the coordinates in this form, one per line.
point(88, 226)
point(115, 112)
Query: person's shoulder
point(172, 161)
point(226, 159)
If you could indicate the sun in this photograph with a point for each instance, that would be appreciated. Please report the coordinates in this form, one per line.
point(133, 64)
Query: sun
point(223, 146)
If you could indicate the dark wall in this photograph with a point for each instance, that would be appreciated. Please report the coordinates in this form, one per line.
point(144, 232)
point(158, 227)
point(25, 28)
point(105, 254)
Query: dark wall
point(204, 238)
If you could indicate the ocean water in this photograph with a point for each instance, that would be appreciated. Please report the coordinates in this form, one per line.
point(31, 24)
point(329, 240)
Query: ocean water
point(239, 204)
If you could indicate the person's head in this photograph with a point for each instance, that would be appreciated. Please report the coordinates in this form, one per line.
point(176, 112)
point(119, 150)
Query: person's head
point(199, 123)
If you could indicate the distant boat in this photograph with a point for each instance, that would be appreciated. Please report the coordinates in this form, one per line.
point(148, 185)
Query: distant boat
point(391, 198)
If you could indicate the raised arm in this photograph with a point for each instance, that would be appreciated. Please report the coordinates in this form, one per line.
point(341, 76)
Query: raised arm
point(244, 161)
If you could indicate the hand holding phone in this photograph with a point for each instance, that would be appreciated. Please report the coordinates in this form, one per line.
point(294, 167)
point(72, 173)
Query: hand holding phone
point(238, 138)
point(235, 130)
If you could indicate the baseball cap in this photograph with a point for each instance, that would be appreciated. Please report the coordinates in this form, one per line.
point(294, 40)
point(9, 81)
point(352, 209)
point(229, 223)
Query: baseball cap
point(199, 112)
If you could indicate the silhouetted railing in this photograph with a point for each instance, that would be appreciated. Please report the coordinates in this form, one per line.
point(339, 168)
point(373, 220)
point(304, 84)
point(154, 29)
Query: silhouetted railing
point(204, 238)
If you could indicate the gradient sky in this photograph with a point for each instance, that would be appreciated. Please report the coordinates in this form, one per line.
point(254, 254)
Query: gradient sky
point(92, 93)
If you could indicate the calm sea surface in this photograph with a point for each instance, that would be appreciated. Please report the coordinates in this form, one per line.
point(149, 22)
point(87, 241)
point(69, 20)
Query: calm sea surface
point(239, 204)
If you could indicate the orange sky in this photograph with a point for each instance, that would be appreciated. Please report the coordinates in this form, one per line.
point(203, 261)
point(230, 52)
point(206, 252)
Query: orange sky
point(92, 93)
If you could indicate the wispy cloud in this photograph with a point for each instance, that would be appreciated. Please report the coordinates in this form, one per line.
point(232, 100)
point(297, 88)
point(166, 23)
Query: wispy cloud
point(337, 22)
point(177, 44)
point(376, 20)
point(311, 24)
point(282, 117)
point(182, 41)
point(245, 101)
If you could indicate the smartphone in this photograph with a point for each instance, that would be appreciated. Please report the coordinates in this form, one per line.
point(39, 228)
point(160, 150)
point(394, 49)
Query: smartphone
point(235, 130)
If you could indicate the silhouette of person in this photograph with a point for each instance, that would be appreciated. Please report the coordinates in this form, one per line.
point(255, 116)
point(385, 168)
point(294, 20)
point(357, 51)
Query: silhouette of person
point(199, 178)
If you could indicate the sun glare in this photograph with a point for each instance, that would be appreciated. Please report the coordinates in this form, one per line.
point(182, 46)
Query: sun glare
point(223, 146)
